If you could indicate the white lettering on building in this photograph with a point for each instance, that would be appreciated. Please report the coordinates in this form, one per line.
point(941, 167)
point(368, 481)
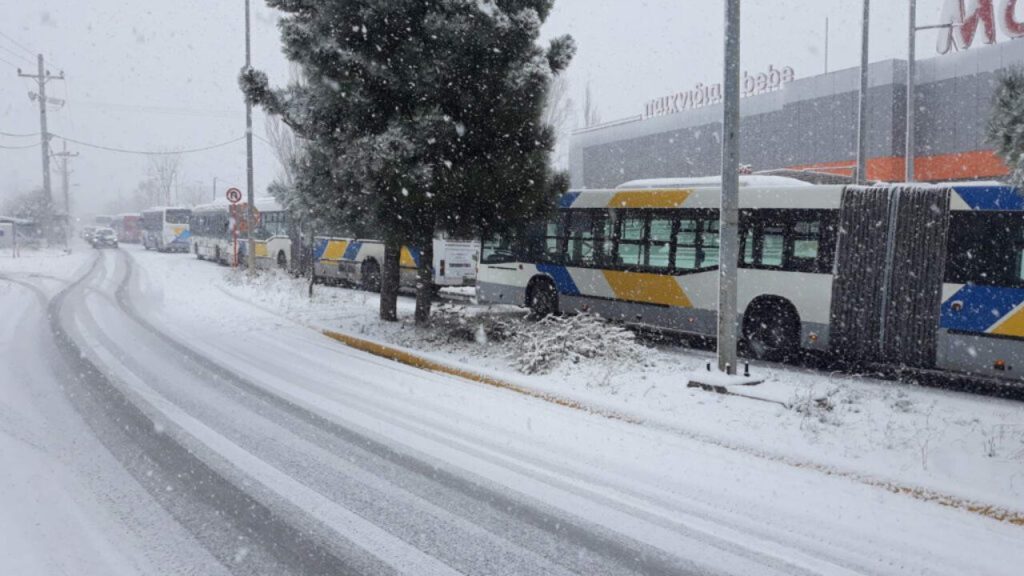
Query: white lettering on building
point(710, 94)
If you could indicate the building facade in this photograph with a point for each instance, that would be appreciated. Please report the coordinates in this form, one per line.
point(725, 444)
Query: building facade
point(811, 124)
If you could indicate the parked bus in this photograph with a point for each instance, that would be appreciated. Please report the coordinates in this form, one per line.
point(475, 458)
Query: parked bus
point(358, 262)
point(928, 277)
point(166, 229)
point(213, 238)
point(128, 228)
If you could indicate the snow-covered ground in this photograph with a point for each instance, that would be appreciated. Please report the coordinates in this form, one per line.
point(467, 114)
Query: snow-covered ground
point(939, 441)
point(844, 458)
point(429, 473)
point(66, 505)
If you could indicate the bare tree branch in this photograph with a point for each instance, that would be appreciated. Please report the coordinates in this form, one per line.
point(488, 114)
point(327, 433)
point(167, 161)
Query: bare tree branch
point(163, 172)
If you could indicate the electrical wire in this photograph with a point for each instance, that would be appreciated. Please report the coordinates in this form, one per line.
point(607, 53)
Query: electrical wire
point(16, 55)
point(10, 64)
point(148, 152)
point(143, 109)
point(9, 135)
point(20, 147)
point(16, 43)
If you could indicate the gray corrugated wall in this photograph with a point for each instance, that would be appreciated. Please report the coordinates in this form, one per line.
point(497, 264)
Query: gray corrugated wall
point(812, 121)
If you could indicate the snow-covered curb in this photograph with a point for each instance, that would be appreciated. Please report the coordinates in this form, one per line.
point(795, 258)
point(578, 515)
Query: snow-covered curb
point(903, 438)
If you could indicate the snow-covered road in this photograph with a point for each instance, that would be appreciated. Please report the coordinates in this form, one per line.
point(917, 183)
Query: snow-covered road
point(141, 433)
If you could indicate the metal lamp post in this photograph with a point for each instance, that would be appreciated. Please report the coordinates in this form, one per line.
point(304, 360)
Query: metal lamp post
point(729, 215)
point(911, 139)
point(250, 215)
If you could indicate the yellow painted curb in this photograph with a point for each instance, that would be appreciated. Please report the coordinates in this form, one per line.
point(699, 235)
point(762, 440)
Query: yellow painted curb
point(415, 361)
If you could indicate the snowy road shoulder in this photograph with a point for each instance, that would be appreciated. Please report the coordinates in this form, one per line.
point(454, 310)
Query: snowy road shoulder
point(175, 285)
point(937, 441)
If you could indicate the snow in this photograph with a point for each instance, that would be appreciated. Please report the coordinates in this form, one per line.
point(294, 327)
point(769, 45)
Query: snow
point(958, 444)
point(66, 505)
point(836, 450)
point(723, 482)
point(714, 181)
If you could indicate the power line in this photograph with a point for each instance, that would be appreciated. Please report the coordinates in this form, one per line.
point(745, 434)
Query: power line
point(20, 147)
point(144, 109)
point(149, 152)
point(19, 45)
point(16, 55)
point(9, 135)
point(9, 63)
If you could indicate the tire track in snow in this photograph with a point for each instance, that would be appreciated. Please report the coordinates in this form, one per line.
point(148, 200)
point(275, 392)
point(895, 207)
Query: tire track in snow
point(244, 535)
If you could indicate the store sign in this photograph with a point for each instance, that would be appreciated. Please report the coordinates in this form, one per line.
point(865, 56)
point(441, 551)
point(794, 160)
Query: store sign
point(974, 20)
point(709, 94)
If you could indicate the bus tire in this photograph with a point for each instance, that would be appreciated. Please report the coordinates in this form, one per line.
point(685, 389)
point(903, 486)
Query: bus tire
point(216, 255)
point(199, 256)
point(369, 276)
point(771, 329)
point(542, 298)
point(282, 260)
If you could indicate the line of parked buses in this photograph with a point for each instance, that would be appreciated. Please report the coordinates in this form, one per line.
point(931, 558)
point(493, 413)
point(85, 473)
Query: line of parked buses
point(929, 277)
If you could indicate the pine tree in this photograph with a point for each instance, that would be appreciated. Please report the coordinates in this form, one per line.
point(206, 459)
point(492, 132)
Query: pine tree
point(426, 115)
point(1006, 123)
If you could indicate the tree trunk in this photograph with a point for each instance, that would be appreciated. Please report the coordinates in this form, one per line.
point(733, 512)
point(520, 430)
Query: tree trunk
point(389, 281)
point(425, 283)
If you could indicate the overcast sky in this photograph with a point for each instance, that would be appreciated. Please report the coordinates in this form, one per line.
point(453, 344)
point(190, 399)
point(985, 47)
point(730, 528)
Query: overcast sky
point(155, 75)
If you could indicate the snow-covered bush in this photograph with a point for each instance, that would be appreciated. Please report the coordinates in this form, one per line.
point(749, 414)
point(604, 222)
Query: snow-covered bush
point(452, 323)
point(817, 408)
point(545, 345)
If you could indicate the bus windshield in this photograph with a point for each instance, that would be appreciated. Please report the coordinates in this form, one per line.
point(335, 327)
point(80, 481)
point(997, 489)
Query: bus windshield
point(177, 216)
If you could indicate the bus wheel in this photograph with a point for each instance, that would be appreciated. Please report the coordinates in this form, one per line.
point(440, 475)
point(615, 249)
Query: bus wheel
point(282, 260)
point(216, 255)
point(771, 330)
point(198, 255)
point(542, 298)
point(370, 277)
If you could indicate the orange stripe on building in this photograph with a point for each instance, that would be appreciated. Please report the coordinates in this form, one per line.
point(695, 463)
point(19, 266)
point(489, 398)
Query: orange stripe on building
point(961, 166)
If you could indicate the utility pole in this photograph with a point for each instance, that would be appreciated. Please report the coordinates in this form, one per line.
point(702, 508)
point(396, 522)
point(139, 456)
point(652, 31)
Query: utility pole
point(65, 176)
point(250, 214)
point(214, 189)
point(911, 151)
point(911, 93)
point(42, 77)
point(827, 39)
point(862, 126)
point(730, 217)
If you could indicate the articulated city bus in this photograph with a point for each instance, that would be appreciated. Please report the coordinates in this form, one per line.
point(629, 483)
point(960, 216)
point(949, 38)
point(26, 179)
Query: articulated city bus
point(213, 234)
point(166, 229)
point(358, 262)
point(921, 276)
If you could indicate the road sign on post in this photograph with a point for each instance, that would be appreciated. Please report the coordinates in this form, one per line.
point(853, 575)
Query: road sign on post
point(234, 195)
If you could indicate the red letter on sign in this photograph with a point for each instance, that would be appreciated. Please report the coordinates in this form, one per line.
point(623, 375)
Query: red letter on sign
point(1010, 23)
point(974, 13)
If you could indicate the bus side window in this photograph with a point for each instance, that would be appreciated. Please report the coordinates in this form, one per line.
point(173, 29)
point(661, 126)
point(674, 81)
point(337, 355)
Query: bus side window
point(582, 250)
point(710, 243)
point(686, 245)
point(630, 241)
point(773, 246)
point(986, 249)
point(497, 250)
point(806, 240)
point(554, 236)
point(659, 244)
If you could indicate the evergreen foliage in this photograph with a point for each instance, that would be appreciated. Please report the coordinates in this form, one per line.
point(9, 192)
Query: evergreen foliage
point(421, 116)
point(1006, 124)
